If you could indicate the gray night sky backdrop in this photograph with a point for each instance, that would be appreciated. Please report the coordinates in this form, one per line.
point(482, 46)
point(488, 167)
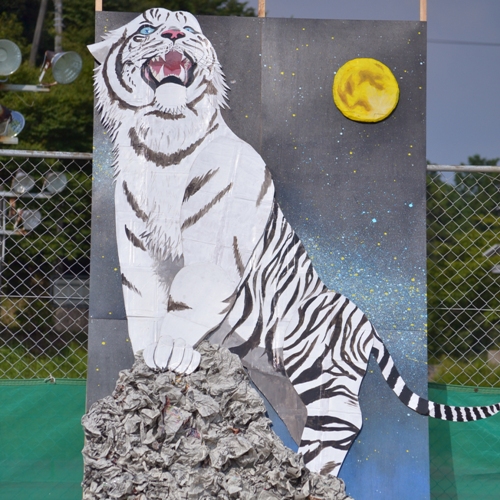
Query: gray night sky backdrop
point(463, 79)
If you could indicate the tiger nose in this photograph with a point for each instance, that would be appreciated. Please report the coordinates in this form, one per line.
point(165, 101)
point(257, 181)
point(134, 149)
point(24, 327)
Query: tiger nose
point(173, 34)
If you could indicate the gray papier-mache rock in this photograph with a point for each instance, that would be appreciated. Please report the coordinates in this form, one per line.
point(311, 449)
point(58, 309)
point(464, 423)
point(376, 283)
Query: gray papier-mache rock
point(199, 436)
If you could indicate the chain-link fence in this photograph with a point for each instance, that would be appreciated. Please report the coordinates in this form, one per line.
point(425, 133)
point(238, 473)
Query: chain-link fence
point(45, 250)
point(463, 249)
point(463, 276)
point(45, 202)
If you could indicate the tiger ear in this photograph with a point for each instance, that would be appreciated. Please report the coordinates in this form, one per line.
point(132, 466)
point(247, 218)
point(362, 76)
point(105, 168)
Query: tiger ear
point(100, 50)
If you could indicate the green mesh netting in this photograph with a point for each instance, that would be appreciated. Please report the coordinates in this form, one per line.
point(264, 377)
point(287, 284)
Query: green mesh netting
point(465, 457)
point(41, 439)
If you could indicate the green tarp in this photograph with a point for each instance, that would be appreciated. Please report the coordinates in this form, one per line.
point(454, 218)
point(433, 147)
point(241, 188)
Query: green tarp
point(41, 439)
point(465, 457)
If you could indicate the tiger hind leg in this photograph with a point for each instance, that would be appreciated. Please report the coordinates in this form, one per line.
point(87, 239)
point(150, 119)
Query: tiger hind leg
point(325, 355)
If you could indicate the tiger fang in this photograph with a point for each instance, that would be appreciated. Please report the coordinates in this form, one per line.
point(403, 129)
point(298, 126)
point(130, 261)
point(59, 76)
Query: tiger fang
point(173, 67)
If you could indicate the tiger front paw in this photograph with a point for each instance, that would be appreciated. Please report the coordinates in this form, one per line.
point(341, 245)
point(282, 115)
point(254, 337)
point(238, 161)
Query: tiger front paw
point(172, 354)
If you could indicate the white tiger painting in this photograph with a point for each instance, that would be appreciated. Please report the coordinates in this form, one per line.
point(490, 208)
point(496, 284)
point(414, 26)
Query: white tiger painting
point(205, 251)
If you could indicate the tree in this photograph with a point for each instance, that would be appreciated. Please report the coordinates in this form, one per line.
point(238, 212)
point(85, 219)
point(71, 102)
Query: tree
point(463, 223)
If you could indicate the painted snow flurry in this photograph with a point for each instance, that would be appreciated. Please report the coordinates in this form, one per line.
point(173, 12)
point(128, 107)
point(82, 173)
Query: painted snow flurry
point(205, 251)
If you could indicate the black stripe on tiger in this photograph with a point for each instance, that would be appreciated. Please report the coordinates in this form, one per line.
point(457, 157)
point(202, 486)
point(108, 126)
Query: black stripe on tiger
point(243, 349)
point(198, 215)
point(134, 239)
point(191, 105)
point(448, 413)
point(130, 286)
point(437, 411)
point(196, 183)
point(326, 424)
point(113, 96)
point(161, 159)
point(119, 65)
point(247, 307)
point(422, 405)
point(176, 306)
point(405, 395)
point(468, 414)
point(486, 411)
point(134, 205)
point(393, 378)
point(265, 186)
point(164, 115)
point(326, 392)
point(237, 257)
point(308, 374)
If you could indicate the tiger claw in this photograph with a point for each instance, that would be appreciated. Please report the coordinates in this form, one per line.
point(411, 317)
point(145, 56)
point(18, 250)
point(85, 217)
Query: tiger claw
point(187, 355)
point(171, 354)
point(178, 351)
point(149, 356)
point(163, 352)
point(195, 362)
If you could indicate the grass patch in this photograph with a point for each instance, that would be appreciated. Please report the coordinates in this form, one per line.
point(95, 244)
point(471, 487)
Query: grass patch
point(18, 363)
point(477, 373)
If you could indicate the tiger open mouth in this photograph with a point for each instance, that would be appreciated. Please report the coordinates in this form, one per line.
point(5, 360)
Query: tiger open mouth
point(172, 67)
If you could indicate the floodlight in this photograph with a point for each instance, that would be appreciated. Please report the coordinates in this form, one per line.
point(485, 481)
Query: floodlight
point(22, 182)
point(31, 219)
point(66, 66)
point(16, 124)
point(55, 182)
point(10, 57)
point(11, 122)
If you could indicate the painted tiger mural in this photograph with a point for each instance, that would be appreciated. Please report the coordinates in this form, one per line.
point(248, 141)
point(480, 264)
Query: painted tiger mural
point(205, 251)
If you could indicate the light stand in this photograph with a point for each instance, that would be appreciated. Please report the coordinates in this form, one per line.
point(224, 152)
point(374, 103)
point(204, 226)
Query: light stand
point(24, 220)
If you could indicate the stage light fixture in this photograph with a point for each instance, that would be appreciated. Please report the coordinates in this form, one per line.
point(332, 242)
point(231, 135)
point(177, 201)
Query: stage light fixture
point(10, 57)
point(30, 219)
point(66, 66)
point(55, 182)
point(11, 122)
point(22, 183)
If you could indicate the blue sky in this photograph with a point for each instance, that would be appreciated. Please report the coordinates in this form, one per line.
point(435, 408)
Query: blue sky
point(463, 79)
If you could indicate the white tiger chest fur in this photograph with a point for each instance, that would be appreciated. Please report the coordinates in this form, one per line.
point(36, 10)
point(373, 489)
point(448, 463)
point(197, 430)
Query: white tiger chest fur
point(153, 168)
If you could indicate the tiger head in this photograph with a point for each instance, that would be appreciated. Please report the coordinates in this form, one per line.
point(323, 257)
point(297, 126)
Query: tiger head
point(159, 65)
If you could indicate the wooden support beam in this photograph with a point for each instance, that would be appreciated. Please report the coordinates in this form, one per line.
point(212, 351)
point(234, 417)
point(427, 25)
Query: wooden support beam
point(423, 10)
point(262, 8)
point(98, 5)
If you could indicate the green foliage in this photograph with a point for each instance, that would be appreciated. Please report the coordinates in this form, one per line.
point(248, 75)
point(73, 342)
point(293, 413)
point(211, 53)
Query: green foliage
point(463, 298)
point(197, 7)
point(17, 362)
point(62, 120)
point(12, 29)
point(478, 373)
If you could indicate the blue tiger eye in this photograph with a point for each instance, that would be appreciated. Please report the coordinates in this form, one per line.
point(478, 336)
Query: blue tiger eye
point(188, 28)
point(147, 30)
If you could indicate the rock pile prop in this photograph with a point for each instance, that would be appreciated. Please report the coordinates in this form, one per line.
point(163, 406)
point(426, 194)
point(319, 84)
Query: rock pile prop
point(200, 436)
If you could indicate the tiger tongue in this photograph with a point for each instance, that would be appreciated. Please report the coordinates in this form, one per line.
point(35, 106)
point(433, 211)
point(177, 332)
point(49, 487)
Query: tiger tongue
point(170, 64)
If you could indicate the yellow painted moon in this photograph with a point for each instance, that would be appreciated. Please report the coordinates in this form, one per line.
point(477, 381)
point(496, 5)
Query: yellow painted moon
point(365, 90)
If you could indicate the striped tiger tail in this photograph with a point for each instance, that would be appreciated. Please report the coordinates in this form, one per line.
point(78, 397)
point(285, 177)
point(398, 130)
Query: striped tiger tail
point(422, 405)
